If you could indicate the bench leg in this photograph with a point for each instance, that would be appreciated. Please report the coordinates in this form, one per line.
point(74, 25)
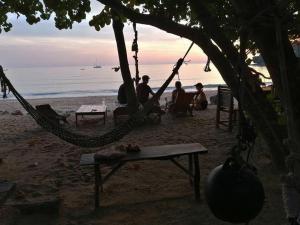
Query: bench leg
point(97, 183)
point(191, 168)
point(196, 177)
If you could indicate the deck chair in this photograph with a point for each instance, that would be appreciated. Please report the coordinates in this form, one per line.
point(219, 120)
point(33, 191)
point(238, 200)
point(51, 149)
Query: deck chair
point(119, 113)
point(49, 113)
point(183, 104)
point(225, 104)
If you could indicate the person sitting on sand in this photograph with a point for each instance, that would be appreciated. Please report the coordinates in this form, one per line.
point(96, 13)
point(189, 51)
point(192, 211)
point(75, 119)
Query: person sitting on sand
point(143, 90)
point(122, 98)
point(200, 101)
point(178, 90)
point(175, 93)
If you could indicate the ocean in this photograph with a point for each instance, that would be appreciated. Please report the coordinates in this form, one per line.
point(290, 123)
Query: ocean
point(80, 81)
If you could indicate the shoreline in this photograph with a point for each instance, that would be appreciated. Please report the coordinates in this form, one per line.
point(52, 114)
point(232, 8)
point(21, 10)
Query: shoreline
point(70, 104)
point(102, 93)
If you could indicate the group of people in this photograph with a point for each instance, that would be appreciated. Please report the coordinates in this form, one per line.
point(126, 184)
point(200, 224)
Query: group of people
point(144, 91)
point(199, 101)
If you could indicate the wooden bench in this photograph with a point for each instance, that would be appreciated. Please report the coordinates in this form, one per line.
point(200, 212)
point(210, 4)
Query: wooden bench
point(161, 152)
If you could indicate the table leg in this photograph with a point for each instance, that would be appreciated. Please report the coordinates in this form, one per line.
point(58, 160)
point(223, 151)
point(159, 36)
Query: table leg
point(76, 119)
point(191, 168)
point(97, 183)
point(196, 177)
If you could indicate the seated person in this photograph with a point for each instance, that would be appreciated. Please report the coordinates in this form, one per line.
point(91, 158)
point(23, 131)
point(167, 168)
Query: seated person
point(122, 98)
point(175, 93)
point(143, 90)
point(200, 101)
point(178, 90)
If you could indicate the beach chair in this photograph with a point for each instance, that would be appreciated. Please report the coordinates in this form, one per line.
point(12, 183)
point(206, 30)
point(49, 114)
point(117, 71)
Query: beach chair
point(183, 104)
point(225, 104)
point(46, 111)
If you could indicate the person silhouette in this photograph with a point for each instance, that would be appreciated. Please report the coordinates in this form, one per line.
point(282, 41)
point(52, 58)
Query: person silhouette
point(144, 90)
point(200, 101)
point(178, 90)
point(122, 98)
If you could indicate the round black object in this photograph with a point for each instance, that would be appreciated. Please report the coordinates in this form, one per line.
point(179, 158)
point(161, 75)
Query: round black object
point(234, 194)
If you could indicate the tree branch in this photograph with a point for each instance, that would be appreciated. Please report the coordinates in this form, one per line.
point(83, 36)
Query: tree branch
point(193, 34)
point(226, 61)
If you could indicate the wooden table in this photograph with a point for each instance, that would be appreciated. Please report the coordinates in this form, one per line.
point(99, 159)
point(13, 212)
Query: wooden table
point(161, 152)
point(91, 110)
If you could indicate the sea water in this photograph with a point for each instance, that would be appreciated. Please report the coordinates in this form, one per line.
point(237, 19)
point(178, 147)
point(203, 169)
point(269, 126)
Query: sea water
point(80, 81)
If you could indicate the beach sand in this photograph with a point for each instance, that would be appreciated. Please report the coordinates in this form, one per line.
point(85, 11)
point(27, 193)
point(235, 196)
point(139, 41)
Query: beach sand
point(46, 168)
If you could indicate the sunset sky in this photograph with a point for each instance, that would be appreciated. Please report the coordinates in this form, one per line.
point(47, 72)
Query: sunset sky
point(44, 45)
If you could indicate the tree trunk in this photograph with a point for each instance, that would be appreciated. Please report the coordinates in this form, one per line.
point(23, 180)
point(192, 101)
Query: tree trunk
point(125, 71)
point(271, 37)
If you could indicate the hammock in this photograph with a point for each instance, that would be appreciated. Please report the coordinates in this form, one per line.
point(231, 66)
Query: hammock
point(83, 140)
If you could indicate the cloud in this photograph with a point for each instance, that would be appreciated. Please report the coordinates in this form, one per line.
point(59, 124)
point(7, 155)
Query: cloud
point(44, 45)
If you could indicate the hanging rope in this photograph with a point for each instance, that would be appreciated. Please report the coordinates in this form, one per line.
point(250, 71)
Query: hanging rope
point(207, 66)
point(246, 135)
point(135, 48)
point(90, 141)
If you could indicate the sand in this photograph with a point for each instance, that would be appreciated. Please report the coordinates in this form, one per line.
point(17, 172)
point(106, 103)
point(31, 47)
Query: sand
point(46, 168)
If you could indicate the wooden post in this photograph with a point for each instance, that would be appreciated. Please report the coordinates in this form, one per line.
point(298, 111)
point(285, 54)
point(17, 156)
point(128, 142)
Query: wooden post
point(230, 113)
point(218, 108)
point(135, 49)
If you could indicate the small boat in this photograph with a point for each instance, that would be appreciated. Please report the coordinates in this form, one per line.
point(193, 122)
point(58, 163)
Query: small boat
point(82, 68)
point(97, 64)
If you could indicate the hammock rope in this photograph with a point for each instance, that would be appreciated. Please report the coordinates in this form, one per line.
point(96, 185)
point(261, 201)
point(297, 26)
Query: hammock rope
point(83, 140)
point(135, 49)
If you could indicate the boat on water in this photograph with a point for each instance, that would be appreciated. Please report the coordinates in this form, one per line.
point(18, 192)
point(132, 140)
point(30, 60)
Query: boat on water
point(97, 66)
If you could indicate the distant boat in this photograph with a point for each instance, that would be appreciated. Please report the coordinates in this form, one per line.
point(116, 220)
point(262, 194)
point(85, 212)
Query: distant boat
point(82, 68)
point(97, 64)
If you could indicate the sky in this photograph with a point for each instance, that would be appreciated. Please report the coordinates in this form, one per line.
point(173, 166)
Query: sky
point(43, 45)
